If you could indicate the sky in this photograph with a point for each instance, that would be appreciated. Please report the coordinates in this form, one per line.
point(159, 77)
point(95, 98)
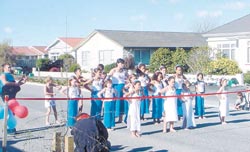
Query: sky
point(40, 22)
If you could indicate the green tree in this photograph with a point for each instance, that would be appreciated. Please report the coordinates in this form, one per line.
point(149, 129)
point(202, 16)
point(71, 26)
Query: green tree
point(179, 57)
point(42, 63)
point(68, 62)
point(6, 55)
point(198, 60)
point(224, 66)
point(161, 56)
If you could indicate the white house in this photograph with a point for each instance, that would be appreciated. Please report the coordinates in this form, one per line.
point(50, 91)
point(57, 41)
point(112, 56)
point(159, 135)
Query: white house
point(105, 46)
point(233, 41)
point(62, 45)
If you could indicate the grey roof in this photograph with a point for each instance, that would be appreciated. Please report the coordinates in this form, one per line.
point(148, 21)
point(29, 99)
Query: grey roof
point(240, 25)
point(155, 39)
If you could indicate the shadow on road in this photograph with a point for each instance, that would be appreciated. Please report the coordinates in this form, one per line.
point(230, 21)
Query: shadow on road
point(207, 124)
point(140, 149)
point(239, 121)
point(14, 149)
point(117, 147)
point(38, 129)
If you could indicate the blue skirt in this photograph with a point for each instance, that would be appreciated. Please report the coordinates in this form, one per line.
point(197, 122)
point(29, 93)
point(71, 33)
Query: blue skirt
point(109, 114)
point(144, 108)
point(199, 106)
point(157, 108)
point(179, 103)
point(72, 112)
point(119, 104)
point(96, 106)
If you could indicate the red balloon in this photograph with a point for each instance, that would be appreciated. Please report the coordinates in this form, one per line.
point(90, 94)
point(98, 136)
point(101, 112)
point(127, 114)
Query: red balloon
point(20, 111)
point(12, 103)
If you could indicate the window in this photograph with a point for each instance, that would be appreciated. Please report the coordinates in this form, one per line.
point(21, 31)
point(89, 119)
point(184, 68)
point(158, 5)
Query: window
point(85, 55)
point(248, 52)
point(227, 50)
point(106, 57)
point(142, 56)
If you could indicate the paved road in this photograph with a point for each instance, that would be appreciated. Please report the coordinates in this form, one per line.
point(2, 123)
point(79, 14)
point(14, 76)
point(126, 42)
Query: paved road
point(208, 136)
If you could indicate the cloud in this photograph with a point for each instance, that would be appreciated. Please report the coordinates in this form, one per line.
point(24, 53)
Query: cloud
point(212, 14)
point(140, 18)
point(154, 1)
point(8, 30)
point(179, 16)
point(235, 5)
point(173, 1)
point(169, 1)
point(94, 19)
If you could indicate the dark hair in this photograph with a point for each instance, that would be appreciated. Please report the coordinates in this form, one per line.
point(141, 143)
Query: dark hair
point(170, 78)
point(76, 69)
point(3, 65)
point(240, 94)
point(162, 67)
point(200, 74)
point(107, 81)
point(178, 66)
point(120, 60)
point(155, 75)
point(222, 80)
point(100, 66)
point(141, 65)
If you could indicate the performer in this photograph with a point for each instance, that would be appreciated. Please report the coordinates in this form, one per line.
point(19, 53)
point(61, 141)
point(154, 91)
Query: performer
point(145, 80)
point(73, 92)
point(188, 114)
point(50, 104)
point(157, 103)
point(96, 85)
point(224, 104)
point(179, 80)
point(170, 105)
point(119, 76)
point(8, 86)
point(199, 99)
point(109, 105)
point(134, 122)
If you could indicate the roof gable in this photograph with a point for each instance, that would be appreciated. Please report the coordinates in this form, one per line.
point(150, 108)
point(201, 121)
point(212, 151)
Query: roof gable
point(24, 51)
point(240, 25)
point(41, 49)
point(71, 41)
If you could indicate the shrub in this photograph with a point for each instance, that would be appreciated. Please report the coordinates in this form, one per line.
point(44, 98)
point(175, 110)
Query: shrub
point(108, 67)
point(224, 66)
point(247, 77)
point(161, 56)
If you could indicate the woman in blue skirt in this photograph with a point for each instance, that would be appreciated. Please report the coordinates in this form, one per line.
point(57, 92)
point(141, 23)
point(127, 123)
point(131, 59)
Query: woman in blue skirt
point(157, 102)
point(73, 92)
point(199, 100)
point(109, 105)
point(145, 80)
point(96, 85)
point(119, 76)
point(179, 80)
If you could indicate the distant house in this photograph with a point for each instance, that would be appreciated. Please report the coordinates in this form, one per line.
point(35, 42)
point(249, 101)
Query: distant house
point(27, 56)
point(105, 46)
point(232, 40)
point(62, 45)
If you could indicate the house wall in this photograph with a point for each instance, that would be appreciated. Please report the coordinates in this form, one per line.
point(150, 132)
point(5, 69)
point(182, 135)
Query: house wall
point(239, 45)
point(89, 56)
point(58, 49)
